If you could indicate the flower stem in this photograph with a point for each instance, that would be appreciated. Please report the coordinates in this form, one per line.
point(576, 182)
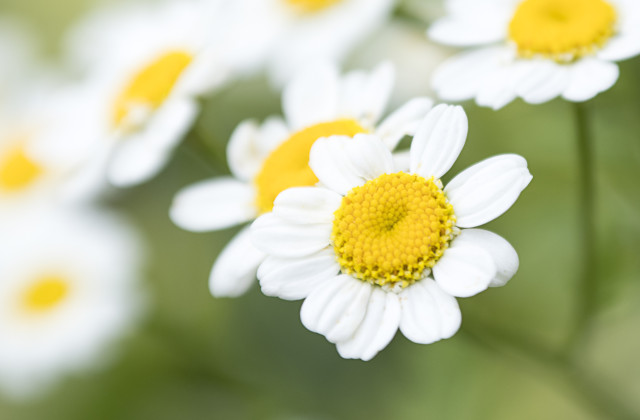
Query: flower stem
point(588, 290)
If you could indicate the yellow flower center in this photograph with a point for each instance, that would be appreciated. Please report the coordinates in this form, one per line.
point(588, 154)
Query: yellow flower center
point(561, 29)
point(45, 293)
point(390, 230)
point(17, 170)
point(311, 6)
point(288, 165)
point(151, 85)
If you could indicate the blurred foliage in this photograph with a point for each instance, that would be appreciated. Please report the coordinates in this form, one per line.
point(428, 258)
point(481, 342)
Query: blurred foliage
point(250, 358)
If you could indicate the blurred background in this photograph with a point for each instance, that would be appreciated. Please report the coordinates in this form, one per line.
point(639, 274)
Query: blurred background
point(250, 358)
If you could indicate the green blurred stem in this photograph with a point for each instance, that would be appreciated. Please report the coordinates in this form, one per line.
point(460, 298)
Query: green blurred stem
point(588, 287)
point(591, 391)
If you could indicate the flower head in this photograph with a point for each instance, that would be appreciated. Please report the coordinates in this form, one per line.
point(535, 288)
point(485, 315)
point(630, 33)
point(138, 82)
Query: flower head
point(269, 158)
point(534, 49)
point(374, 248)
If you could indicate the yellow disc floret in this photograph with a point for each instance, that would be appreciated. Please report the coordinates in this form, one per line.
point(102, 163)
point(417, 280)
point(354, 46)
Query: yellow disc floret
point(563, 30)
point(151, 85)
point(288, 165)
point(17, 170)
point(393, 228)
point(45, 293)
point(310, 6)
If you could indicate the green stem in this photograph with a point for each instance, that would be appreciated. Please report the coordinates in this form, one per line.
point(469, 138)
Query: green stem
point(588, 290)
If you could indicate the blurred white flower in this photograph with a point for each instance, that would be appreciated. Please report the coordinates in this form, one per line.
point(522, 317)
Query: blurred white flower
point(46, 150)
point(69, 288)
point(373, 249)
point(304, 32)
point(147, 65)
point(269, 158)
point(534, 49)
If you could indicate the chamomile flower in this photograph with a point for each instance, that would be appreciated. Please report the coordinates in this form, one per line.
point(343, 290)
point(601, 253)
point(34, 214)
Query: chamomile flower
point(69, 289)
point(269, 158)
point(147, 65)
point(534, 49)
point(312, 31)
point(373, 248)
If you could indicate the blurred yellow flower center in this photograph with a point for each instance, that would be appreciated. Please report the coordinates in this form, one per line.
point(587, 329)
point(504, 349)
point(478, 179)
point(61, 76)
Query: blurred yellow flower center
point(310, 6)
point(288, 165)
point(390, 230)
point(17, 170)
point(151, 85)
point(45, 293)
point(562, 29)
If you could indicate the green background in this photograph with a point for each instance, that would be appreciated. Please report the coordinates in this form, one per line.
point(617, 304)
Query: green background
point(250, 358)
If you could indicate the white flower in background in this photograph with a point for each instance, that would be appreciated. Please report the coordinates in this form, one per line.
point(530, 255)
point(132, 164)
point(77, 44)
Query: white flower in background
point(373, 248)
point(147, 66)
point(18, 58)
point(69, 288)
point(46, 152)
point(312, 31)
point(269, 158)
point(534, 49)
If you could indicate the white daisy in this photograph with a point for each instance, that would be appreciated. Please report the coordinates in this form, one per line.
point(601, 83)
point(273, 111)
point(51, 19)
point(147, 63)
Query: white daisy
point(312, 31)
point(44, 154)
point(534, 49)
point(269, 158)
point(147, 65)
point(69, 288)
point(374, 249)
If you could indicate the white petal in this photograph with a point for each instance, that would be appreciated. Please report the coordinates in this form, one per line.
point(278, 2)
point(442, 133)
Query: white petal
point(250, 144)
point(484, 191)
point(499, 88)
point(465, 269)
point(470, 30)
point(404, 121)
point(589, 77)
point(541, 80)
point(376, 93)
point(280, 238)
point(296, 278)
point(342, 163)
point(213, 204)
point(402, 160)
point(236, 266)
point(428, 313)
point(460, 77)
point(502, 253)
point(439, 141)
point(377, 329)
point(134, 162)
point(336, 308)
point(307, 205)
point(621, 47)
point(312, 97)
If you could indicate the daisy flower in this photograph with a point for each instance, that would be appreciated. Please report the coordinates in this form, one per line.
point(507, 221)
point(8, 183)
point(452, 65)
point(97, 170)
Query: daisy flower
point(269, 158)
point(147, 65)
point(534, 49)
point(312, 31)
point(373, 248)
point(69, 289)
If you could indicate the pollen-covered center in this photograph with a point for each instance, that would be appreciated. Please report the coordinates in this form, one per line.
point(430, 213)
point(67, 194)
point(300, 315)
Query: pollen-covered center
point(562, 29)
point(310, 6)
point(17, 170)
point(45, 293)
point(151, 85)
point(288, 165)
point(393, 228)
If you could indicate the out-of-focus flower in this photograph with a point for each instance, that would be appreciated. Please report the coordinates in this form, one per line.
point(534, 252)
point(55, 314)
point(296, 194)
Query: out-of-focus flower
point(373, 249)
point(46, 150)
point(147, 64)
point(17, 58)
point(312, 31)
point(534, 49)
point(69, 288)
point(269, 158)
